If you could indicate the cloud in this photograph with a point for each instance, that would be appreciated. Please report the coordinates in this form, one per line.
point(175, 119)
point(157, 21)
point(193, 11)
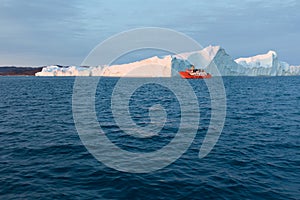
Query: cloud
point(65, 31)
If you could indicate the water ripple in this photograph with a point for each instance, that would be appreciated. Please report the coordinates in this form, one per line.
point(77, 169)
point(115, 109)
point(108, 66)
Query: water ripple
point(256, 157)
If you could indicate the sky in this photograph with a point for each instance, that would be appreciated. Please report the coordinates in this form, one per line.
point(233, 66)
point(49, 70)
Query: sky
point(45, 32)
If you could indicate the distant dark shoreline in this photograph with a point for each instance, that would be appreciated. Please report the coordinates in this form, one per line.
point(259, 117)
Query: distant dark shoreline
point(19, 71)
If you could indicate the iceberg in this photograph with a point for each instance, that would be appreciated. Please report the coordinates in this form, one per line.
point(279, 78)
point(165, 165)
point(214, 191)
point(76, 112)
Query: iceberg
point(167, 66)
point(151, 67)
point(55, 70)
point(267, 65)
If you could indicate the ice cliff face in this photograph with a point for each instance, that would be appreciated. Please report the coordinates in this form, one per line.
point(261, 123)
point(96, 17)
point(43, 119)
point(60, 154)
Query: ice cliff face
point(267, 65)
point(54, 70)
point(259, 65)
point(151, 67)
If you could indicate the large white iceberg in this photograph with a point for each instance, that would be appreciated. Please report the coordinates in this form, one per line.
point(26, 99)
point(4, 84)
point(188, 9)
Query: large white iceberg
point(151, 67)
point(267, 65)
point(167, 66)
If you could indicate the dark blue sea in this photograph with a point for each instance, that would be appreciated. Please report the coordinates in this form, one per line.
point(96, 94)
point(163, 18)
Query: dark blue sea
point(256, 157)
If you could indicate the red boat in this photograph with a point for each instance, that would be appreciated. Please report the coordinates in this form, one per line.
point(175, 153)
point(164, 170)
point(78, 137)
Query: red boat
point(194, 74)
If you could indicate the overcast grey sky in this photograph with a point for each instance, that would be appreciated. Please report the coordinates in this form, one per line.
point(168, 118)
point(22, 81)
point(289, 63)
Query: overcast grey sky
point(44, 32)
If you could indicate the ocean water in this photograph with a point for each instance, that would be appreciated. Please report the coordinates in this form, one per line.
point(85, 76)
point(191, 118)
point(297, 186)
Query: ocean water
point(256, 157)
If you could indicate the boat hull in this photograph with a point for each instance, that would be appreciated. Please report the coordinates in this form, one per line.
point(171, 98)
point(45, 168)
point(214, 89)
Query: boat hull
point(187, 75)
